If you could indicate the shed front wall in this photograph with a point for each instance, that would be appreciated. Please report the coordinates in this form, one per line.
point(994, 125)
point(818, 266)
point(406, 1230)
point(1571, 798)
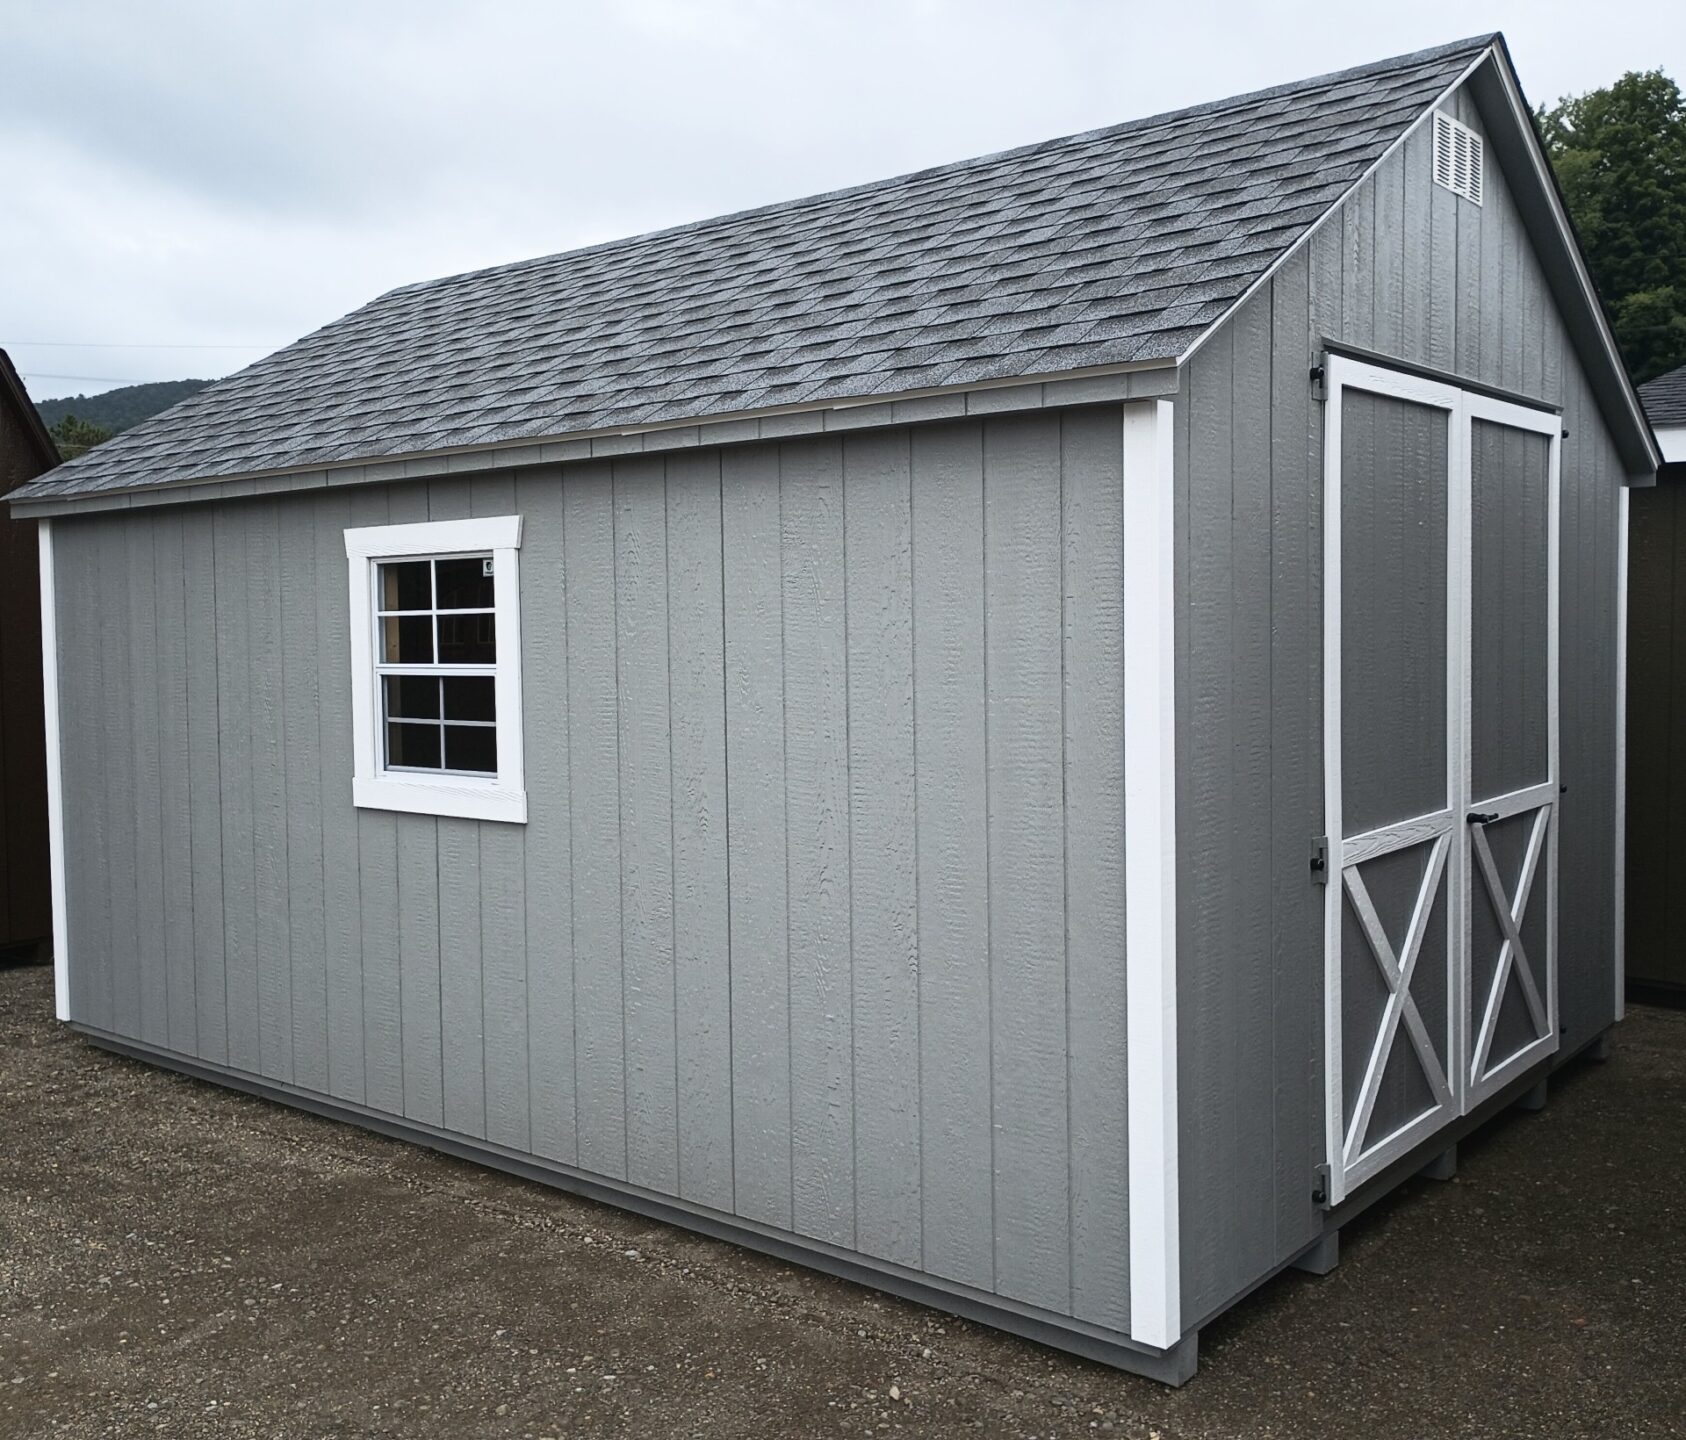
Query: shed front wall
point(818, 918)
point(1407, 269)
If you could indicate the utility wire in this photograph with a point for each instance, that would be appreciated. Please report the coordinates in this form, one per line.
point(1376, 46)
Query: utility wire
point(126, 345)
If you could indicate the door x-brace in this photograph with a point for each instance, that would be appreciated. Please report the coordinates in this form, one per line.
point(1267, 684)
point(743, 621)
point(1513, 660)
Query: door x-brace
point(1397, 970)
point(1513, 955)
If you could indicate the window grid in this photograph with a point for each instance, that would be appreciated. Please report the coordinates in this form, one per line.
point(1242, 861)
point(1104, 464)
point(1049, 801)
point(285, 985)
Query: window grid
point(435, 668)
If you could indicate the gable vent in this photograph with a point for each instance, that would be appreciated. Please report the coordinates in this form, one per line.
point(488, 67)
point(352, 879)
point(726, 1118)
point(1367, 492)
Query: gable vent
point(1457, 157)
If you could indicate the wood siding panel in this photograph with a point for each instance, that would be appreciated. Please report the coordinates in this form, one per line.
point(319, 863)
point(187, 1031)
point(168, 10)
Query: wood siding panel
point(548, 843)
point(269, 793)
point(594, 754)
point(806, 756)
point(816, 740)
point(1026, 860)
point(755, 798)
point(702, 982)
point(204, 782)
point(234, 730)
point(148, 832)
point(301, 766)
point(175, 772)
point(646, 811)
point(883, 852)
point(1092, 467)
point(342, 935)
point(953, 878)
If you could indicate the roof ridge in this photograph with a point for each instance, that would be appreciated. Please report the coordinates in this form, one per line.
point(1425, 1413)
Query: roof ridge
point(1472, 45)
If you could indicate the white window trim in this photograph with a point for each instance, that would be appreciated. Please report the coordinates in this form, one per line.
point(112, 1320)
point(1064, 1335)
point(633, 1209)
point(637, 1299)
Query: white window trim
point(464, 796)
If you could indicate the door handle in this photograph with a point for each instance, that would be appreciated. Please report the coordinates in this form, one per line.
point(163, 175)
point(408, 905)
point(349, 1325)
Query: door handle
point(1481, 817)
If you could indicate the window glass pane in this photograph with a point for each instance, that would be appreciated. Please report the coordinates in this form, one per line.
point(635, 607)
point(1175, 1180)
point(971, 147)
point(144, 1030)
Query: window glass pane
point(467, 640)
point(415, 746)
point(412, 697)
point(471, 747)
point(408, 639)
point(470, 697)
point(407, 585)
point(464, 584)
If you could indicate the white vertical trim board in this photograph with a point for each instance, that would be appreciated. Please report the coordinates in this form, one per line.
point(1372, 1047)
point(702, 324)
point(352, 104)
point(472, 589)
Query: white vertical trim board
point(1150, 881)
point(1621, 751)
point(55, 771)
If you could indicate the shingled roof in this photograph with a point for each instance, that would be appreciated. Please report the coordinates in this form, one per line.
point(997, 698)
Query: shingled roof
point(1114, 246)
point(1665, 398)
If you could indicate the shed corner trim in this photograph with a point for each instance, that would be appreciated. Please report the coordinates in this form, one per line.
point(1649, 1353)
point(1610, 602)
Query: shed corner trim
point(1150, 872)
point(55, 772)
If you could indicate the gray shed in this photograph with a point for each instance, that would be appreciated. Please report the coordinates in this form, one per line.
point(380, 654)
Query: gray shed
point(1035, 734)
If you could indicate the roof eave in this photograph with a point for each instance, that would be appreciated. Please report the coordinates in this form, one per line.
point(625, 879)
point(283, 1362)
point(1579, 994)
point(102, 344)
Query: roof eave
point(725, 427)
point(1515, 137)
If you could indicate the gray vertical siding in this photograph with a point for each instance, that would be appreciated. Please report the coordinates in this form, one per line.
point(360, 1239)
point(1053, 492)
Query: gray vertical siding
point(817, 919)
point(1407, 269)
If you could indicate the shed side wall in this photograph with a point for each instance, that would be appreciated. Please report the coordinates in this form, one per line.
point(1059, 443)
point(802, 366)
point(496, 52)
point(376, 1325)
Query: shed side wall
point(1407, 269)
point(818, 918)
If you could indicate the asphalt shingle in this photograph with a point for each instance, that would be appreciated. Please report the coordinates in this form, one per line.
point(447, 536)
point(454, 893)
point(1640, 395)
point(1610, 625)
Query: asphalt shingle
point(1112, 246)
point(1665, 398)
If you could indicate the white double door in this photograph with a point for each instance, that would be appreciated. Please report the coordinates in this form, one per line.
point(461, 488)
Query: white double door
point(1441, 755)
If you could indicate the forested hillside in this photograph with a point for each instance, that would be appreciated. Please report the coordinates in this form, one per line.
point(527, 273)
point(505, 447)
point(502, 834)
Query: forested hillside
point(118, 409)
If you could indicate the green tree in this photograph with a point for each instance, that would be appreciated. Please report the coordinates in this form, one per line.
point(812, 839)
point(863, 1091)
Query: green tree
point(1620, 156)
point(76, 437)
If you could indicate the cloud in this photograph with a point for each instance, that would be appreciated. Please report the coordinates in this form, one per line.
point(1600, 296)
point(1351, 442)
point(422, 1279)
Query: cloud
point(195, 172)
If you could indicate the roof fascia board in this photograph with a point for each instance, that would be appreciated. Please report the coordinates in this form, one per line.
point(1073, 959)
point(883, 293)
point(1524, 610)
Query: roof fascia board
point(1513, 135)
point(1305, 237)
point(1101, 384)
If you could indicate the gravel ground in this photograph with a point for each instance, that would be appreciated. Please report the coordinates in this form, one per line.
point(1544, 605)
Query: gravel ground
point(180, 1260)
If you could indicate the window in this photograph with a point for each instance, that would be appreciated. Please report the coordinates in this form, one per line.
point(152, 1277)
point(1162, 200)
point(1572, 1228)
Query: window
point(436, 674)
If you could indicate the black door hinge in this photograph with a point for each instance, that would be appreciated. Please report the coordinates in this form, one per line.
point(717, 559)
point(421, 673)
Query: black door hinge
point(1320, 1185)
point(1320, 860)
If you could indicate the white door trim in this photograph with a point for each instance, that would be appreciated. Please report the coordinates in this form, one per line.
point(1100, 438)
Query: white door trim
point(1352, 1156)
point(1350, 1166)
point(1150, 877)
point(1479, 1013)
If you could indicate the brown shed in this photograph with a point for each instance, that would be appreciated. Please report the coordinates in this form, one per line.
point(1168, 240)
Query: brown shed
point(1656, 708)
point(26, 450)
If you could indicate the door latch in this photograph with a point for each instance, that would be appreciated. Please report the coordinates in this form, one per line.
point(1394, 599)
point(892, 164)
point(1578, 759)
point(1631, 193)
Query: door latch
point(1320, 1185)
point(1482, 817)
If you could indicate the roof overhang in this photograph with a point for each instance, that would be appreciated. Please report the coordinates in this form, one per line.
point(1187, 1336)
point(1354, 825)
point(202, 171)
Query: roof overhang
point(1094, 385)
point(1515, 139)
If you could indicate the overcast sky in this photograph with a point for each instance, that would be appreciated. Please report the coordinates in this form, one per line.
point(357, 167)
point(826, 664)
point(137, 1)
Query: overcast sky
point(189, 185)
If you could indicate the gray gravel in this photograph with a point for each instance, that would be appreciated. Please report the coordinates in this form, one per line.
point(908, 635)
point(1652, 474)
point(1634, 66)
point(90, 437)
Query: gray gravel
point(180, 1260)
